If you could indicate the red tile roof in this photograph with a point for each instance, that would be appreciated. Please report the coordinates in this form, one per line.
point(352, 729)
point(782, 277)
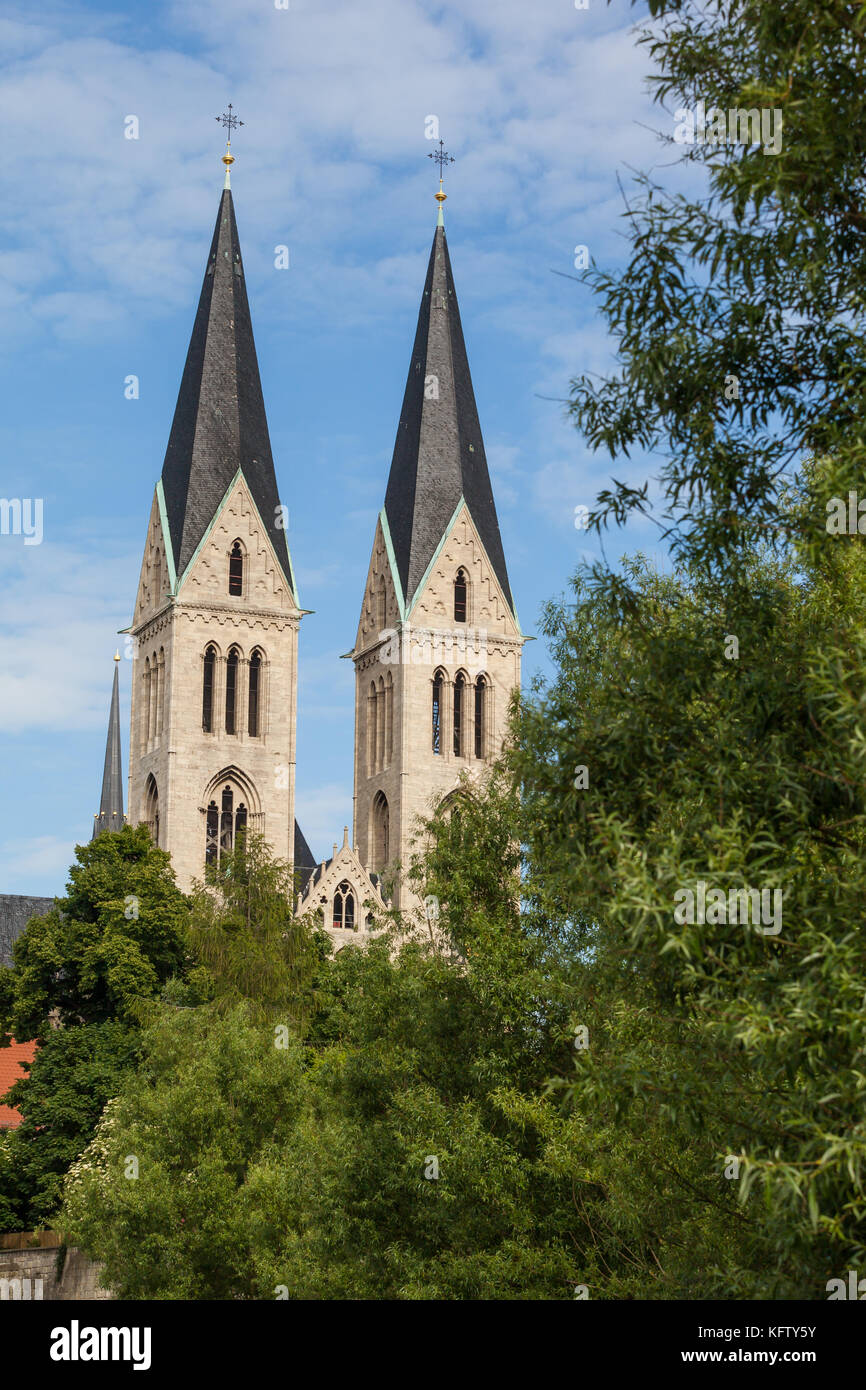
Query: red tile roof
point(10, 1072)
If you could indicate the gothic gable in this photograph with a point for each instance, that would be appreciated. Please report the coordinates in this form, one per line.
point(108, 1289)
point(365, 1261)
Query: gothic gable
point(207, 577)
point(324, 896)
point(488, 609)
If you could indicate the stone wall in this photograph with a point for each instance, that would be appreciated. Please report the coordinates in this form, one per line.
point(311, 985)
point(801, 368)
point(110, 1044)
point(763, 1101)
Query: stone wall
point(79, 1279)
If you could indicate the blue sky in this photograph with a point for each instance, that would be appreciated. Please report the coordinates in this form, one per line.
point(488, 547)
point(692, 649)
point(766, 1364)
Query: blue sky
point(103, 243)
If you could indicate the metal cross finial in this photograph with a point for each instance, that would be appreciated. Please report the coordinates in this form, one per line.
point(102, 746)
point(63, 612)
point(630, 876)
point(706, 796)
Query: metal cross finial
point(229, 121)
point(441, 157)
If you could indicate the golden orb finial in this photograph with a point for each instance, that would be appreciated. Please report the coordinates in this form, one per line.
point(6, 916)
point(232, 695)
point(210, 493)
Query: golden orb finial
point(117, 655)
point(229, 120)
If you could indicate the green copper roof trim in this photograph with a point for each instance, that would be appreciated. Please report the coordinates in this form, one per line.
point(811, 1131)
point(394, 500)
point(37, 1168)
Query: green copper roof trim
point(213, 521)
point(395, 577)
point(166, 536)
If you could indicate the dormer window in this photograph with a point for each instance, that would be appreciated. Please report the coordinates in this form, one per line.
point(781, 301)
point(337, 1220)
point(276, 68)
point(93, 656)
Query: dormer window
point(236, 571)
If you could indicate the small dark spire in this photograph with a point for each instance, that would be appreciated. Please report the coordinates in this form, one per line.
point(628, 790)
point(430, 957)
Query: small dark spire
point(439, 453)
point(111, 802)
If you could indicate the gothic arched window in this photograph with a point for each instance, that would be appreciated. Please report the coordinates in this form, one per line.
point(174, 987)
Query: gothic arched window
point(232, 690)
point(211, 853)
point(225, 824)
point(480, 717)
point(255, 692)
point(459, 690)
point(438, 687)
point(207, 688)
point(460, 591)
point(236, 570)
point(151, 808)
point(381, 832)
point(344, 908)
point(389, 719)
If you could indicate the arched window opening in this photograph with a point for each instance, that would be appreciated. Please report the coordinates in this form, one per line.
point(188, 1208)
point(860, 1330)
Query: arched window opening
point(236, 570)
point(460, 588)
point(157, 578)
point(225, 825)
point(151, 808)
point(343, 916)
point(438, 686)
point(459, 689)
point(255, 690)
point(480, 716)
point(381, 832)
point(232, 690)
point(211, 853)
point(207, 690)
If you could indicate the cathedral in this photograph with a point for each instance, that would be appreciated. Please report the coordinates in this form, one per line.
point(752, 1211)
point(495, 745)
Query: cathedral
point(217, 615)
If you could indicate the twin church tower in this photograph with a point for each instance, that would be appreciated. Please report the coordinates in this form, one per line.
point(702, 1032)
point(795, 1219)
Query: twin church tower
point(217, 614)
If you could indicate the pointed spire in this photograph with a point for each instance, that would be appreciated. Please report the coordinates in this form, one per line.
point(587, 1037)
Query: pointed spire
point(439, 453)
point(219, 422)
point(111, 802)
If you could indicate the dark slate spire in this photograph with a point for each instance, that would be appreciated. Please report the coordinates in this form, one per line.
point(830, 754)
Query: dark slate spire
point(219, 422)
point(111, 802)
point(439, 452)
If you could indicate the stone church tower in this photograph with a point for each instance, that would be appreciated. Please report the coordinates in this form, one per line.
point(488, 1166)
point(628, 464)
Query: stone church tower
point(438, 648)
point(215, 628)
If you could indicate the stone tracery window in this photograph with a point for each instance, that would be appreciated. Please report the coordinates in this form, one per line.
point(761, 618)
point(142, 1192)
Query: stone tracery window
point(343, 916)
point(225, 824)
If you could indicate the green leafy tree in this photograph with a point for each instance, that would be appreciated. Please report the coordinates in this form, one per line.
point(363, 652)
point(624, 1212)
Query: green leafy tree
point(737, 773)
point(407, 1145)
point(111, 942)
point(81, 979)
